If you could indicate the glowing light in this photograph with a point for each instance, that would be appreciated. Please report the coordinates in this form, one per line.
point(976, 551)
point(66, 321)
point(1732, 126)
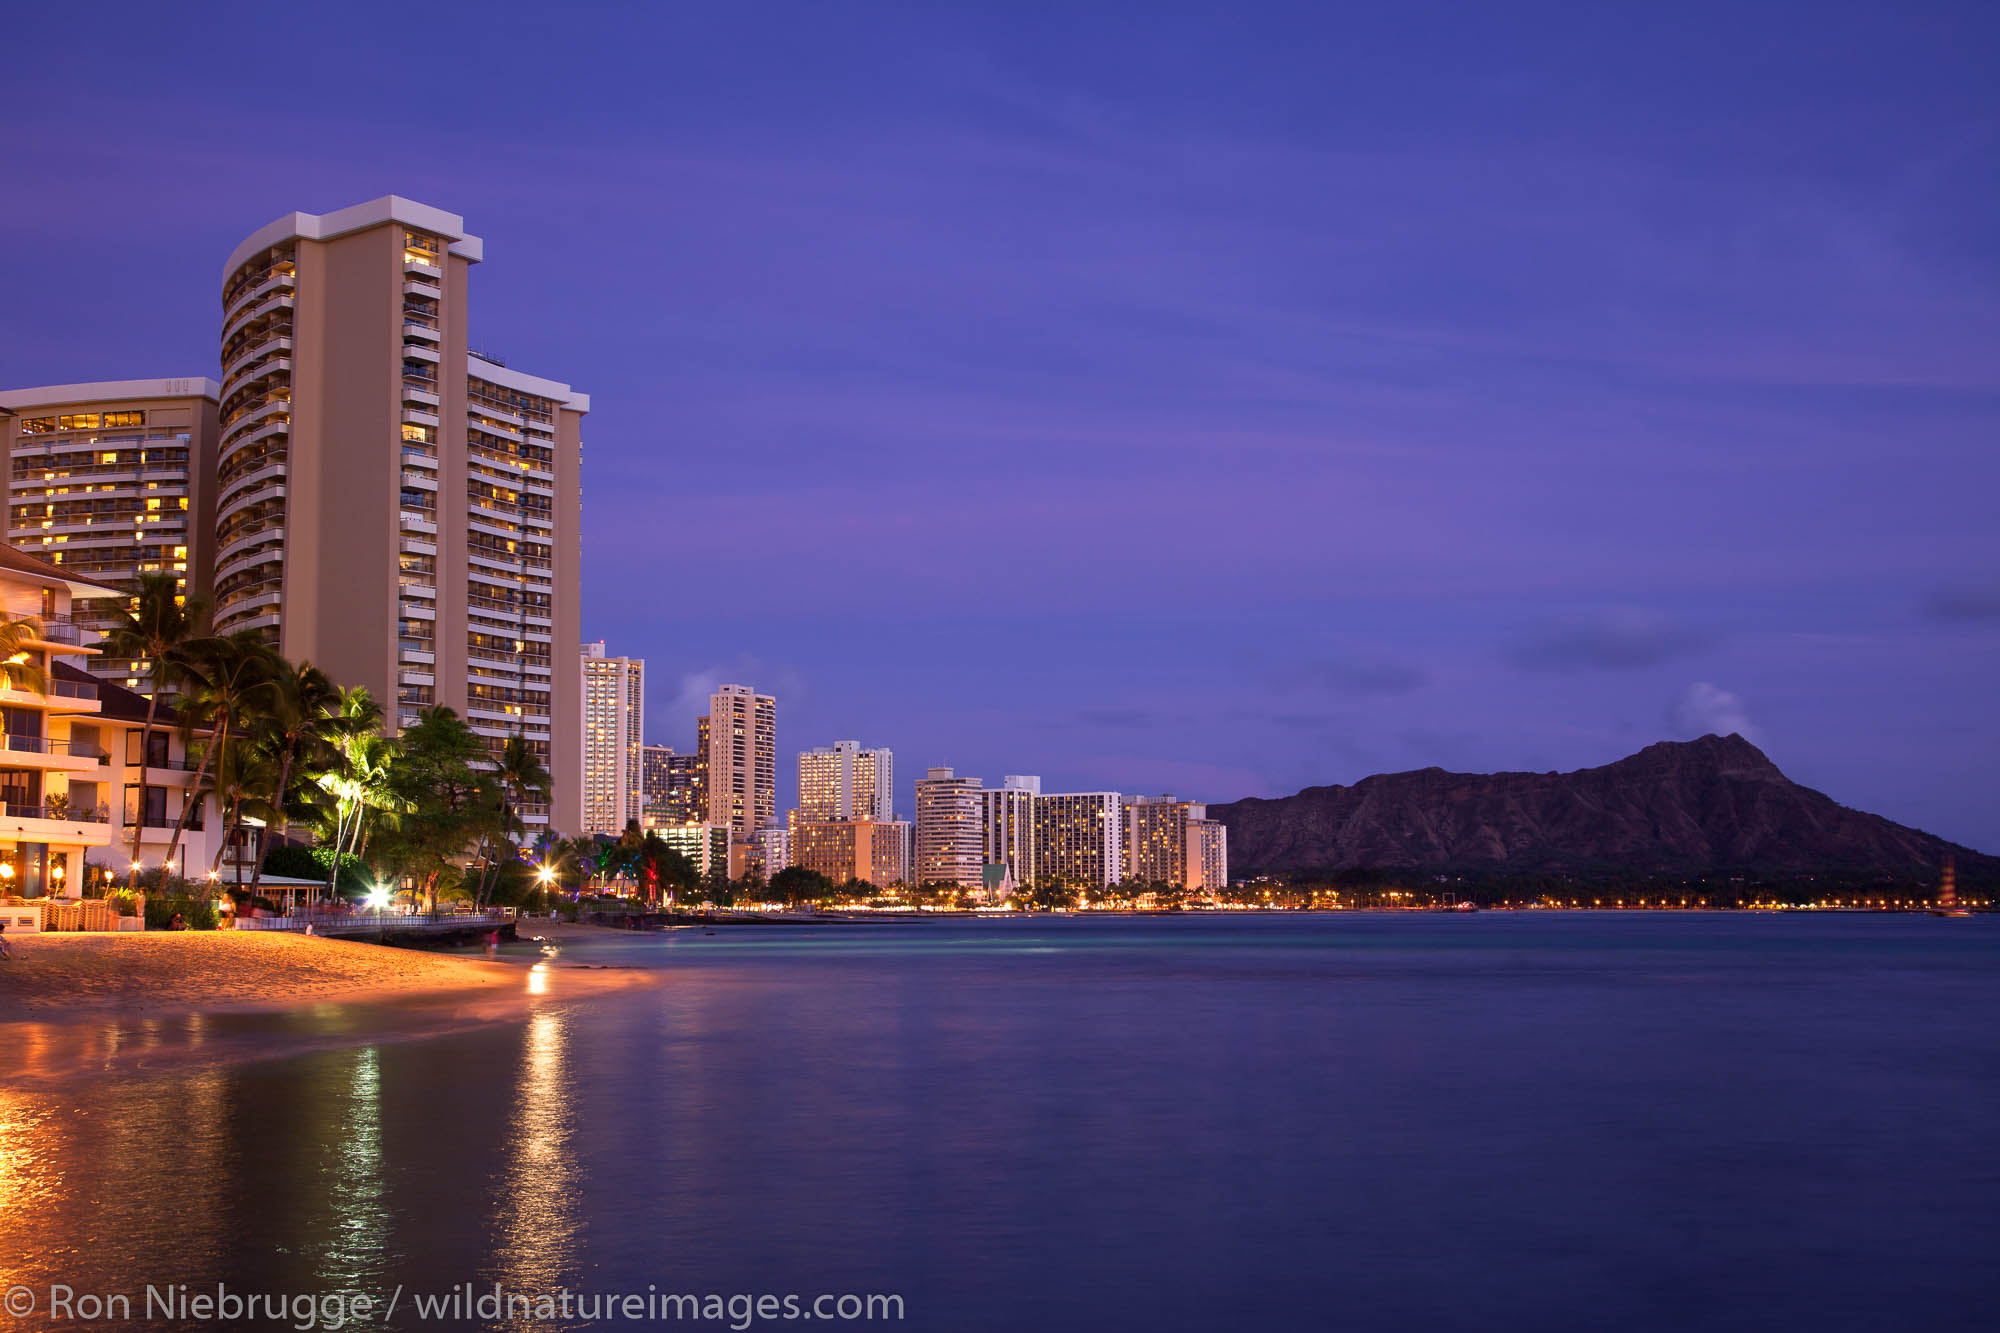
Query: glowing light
point(546, 875)
point(378, 897)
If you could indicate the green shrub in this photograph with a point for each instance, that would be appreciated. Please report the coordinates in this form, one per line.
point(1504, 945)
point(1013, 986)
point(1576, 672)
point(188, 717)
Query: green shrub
point(312, 863)
point(197, 913)
point(123, 901)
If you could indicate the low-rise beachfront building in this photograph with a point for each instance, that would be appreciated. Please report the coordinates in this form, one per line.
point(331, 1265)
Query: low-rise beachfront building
point(50, 751)
point(149, 796)
point(71, 783)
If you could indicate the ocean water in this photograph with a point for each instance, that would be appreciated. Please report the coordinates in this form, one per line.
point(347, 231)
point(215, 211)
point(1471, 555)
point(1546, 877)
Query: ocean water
point(1497, 1121)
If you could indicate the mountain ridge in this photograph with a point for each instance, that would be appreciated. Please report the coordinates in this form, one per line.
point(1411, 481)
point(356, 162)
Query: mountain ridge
point(1715, 804)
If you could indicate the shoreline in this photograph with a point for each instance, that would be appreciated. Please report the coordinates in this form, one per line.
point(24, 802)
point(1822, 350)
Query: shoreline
point(109, 1003)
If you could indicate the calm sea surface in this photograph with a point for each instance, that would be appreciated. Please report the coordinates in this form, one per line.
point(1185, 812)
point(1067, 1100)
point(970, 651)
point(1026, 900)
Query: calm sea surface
point(1350, 1122)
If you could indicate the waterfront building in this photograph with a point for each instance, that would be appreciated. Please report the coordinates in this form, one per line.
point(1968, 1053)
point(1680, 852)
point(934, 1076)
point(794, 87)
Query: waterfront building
point(112, 480)
point(1007, 832)
point(391, 505)
point(948, 830)
point(151, 797)
point(614, 727)
point(54, 785)
point(1079, 838)
point(704, 844)
point(1208, 857)
point(871, 851)
point(844, 781)
point(1173, 842)
point(739, 740)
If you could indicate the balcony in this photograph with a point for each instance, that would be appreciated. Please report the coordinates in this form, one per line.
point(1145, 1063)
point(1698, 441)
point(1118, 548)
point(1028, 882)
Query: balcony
point(57, 630)
point(429, 290)
point(237, 490)
point(252, 295)
point(62, 696)
point(157, 818)
point(54, 821)
point(50, 756)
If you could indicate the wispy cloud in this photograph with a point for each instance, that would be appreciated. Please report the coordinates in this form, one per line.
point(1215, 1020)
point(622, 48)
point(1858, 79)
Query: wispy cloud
point(1704, 709)
point(1620, 639)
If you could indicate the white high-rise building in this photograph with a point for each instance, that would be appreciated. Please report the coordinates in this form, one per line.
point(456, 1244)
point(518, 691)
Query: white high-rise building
point(1007, 828)
point(740, 743)
point(614, 728)
point(844, 781)
point(775, 843)
point(1079, 838)
point(948, 829)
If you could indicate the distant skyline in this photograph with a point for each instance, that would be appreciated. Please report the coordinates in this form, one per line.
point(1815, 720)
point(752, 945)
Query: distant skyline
point(1197, 401)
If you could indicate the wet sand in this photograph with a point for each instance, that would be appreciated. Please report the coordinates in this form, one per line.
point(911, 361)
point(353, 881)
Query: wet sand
point(92, 1006)
point(177, 971)
point(78, 1001)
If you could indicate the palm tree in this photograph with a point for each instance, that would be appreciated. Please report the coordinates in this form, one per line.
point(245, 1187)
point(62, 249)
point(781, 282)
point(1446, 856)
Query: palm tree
point(155, 624)
point(297, 719)
point(19, 671)
point(521, 777)
point(227, 677)
point(358, 776)
point(244, 773)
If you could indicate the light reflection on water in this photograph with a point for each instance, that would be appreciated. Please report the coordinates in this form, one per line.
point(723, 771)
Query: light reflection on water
point(536, 1184)
point(1643, 1123)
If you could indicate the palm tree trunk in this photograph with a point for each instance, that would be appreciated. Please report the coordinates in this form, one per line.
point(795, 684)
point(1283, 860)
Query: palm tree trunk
point(192, 801)
point(278, 816)
point(145, 752)
point(339, 837)
point(236, 827)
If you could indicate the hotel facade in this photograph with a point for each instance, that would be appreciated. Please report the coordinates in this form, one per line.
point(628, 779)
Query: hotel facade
point(112, 480)
point(614, 728)
point(844, 781)
point(870, 851)
point(738, 742)
point(1007, 830)
point(669, 787)
point(950, 849)
point(392, 506)
point(1173, 842)
point(1079, 838)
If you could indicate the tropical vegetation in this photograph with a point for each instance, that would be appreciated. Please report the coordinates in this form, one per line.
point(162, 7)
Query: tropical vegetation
point(279, 746)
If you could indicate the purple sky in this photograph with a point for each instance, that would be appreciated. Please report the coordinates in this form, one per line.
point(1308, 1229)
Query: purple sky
point(1175, 398)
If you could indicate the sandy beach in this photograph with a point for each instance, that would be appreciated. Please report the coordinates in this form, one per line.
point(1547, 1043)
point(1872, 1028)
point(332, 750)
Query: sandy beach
point(162, 972)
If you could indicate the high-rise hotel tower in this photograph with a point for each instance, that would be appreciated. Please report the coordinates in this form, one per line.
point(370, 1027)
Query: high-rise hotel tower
point(391, 505)
point(739, 745)
point(614, 730)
